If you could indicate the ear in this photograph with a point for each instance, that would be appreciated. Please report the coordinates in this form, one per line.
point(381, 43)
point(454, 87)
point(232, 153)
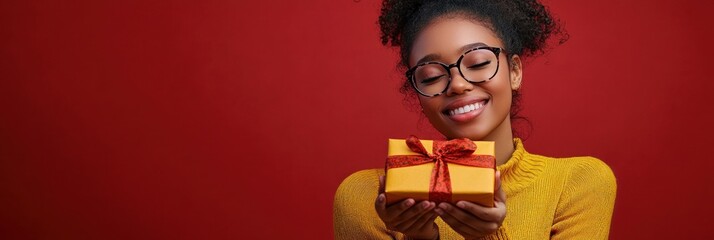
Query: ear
point(516, 74)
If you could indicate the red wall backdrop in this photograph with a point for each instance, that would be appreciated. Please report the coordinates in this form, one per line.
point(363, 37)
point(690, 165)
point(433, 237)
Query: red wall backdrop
point(236, 119)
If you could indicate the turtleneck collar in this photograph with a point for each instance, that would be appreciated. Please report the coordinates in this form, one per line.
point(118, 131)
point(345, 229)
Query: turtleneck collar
point(521, 169)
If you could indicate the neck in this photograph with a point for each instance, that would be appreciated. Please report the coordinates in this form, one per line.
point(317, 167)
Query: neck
point(503, 137)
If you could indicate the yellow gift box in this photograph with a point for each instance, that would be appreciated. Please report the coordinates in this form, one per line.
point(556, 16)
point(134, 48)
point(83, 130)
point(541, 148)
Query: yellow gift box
point(468, 183)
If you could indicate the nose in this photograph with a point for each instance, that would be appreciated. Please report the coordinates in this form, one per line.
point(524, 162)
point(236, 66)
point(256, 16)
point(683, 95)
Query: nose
point(458, 84)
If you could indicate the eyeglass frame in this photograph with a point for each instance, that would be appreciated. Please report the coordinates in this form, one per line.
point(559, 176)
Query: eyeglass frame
point(410, 73)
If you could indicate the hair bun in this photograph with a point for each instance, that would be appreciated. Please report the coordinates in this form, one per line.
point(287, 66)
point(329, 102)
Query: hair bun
point(525, 26)
point(395, 14)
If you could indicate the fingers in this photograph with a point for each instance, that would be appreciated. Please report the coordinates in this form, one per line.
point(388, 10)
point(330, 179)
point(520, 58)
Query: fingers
point(380, 204)
point(421, 226)
point(488, 214)
point(404, 215)
point(390, 213)
point(467, 218)
point(397, 209)
point(381, 184)
point(408, 209)
point(427, 221)
point(416, 216)
point(401, 210)
point(457, 220)
point(407, 216)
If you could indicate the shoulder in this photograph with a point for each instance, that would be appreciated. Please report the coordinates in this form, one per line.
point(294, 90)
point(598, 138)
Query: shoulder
point(358, 186)
point(589, 167)
point(585, 174)
point(353, 209)
point(363, 179)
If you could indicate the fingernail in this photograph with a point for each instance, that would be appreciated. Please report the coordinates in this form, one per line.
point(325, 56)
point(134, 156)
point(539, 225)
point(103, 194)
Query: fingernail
point(424, 205)
point(444, 206)
point(409, 202)
point(461, 204)
point(438, 211)
point(380, 198)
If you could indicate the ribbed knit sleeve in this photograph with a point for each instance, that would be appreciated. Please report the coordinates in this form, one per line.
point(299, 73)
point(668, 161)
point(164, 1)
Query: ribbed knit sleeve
point(500, 234)
point(584, 210)
point(354, 216)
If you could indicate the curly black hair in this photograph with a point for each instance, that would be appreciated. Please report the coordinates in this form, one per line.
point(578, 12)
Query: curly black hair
point(525, 26)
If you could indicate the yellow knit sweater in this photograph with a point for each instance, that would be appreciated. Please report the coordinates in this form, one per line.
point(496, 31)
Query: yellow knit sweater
point(547, 198)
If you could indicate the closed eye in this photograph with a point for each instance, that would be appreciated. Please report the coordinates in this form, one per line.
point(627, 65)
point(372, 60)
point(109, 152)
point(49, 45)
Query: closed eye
point(478, 65)
point(431, 79)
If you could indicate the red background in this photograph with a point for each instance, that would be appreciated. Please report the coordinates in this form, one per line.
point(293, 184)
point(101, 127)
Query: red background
point(235, 119)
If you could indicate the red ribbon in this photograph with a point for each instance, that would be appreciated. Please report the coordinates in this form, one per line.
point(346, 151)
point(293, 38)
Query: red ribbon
point(458, 151)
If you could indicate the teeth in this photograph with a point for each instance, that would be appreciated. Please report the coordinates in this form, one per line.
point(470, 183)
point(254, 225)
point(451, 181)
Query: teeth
point(467, 108)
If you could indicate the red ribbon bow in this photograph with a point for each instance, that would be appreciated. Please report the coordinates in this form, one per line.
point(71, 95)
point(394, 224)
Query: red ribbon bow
point(458, 151)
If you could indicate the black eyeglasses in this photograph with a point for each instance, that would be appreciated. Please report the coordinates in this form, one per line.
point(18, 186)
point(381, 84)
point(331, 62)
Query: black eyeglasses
point(477, 65)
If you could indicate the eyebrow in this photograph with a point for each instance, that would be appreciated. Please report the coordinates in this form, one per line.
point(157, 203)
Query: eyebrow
point(434, 56)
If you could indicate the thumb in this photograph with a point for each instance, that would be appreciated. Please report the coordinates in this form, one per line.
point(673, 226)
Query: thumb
point(500, 194)
point(381, 184)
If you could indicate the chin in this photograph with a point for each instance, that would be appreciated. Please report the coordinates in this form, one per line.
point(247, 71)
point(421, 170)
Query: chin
point(474, 133)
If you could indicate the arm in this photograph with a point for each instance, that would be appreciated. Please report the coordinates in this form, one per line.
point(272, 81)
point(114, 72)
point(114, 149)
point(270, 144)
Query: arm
point(586, 203)
point(354, 216)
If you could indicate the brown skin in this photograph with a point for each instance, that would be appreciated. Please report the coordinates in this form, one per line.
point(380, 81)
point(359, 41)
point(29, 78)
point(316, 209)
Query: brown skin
point(417, 220)
point(414, 220)
point(444, 38)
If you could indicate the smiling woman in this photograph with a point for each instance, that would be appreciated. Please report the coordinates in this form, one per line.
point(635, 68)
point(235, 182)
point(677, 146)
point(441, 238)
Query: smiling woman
point(463, 62)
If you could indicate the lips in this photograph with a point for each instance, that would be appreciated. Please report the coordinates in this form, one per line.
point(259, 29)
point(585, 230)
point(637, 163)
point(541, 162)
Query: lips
point(465, 110)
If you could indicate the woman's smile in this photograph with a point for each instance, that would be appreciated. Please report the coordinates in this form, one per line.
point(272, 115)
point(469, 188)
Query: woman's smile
point(465, 109)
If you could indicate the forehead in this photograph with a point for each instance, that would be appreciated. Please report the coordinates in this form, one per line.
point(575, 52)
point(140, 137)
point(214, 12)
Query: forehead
point(445, 36)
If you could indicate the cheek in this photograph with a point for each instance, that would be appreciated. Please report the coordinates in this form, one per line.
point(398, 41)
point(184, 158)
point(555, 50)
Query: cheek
point(502, 94)
point(501, 83)
point(428, 104)
point(502, 88)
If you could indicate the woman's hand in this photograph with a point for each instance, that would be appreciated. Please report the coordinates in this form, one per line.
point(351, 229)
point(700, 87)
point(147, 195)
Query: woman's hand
point(416, 221)
point(472, 220)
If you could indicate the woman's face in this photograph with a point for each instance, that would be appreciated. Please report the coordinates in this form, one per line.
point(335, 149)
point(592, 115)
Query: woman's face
point(445, 40)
